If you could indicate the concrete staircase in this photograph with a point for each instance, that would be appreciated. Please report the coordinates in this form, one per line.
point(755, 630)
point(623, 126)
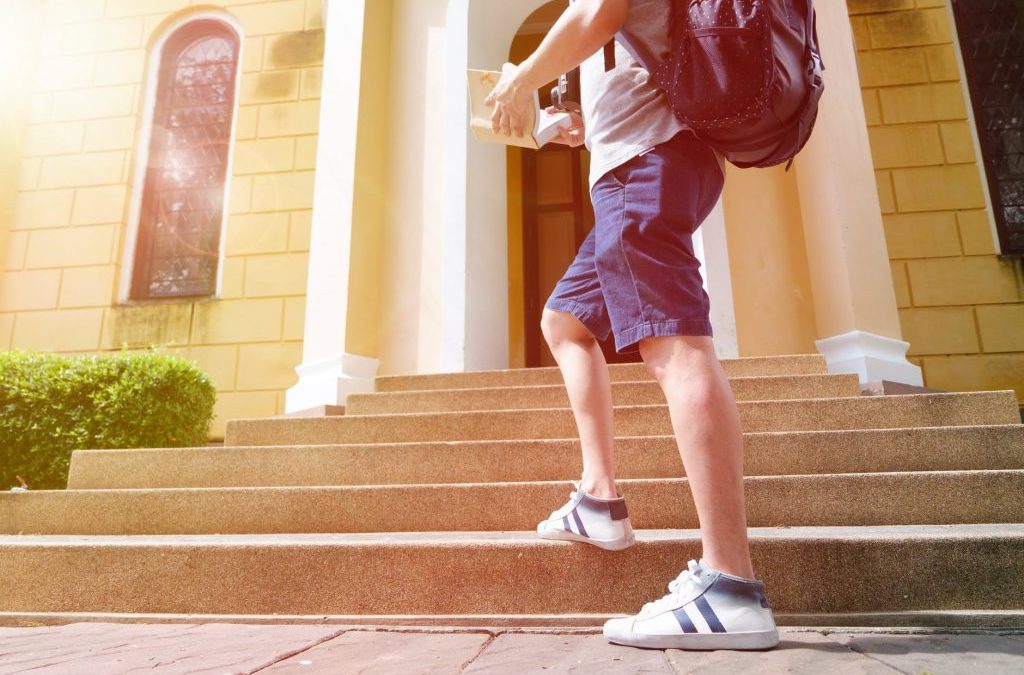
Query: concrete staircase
point(418, 506)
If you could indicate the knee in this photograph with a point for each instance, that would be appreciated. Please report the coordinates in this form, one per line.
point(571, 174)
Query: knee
point(558, 327)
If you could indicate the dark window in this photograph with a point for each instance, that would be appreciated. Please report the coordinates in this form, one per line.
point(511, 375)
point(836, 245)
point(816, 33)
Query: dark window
point(992, 42)
point(183, 195)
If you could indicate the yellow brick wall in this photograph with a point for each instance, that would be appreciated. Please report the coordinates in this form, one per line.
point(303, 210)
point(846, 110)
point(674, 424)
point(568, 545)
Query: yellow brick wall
point(62, 260)
point(961, 306)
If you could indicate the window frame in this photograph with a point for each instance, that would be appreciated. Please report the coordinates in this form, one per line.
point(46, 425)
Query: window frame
point(155, 65)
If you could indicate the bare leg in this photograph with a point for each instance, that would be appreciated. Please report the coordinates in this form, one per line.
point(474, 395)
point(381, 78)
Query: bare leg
point(585, 372)
point(706, 423)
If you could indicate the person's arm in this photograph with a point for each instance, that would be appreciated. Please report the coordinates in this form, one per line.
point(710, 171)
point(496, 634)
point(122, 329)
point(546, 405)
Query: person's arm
point(582, 29)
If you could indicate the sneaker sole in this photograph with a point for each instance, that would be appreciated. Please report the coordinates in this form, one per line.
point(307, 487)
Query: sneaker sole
point(606, 544)
point(764, 639)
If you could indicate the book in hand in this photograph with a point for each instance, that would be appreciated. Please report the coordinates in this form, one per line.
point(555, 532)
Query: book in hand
point(539, 127)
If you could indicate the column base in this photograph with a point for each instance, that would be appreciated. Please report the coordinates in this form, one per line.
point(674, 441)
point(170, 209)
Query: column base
point(329, 382)
point(872, 357)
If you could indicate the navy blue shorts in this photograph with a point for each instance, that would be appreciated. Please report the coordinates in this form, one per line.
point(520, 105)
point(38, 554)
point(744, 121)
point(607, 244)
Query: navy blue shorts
point(636, 275)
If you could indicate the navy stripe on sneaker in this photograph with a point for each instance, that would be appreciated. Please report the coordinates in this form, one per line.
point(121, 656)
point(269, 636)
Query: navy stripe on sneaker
point(579, 523)
point(709, 615)
point(684, 620)
point(565, 523)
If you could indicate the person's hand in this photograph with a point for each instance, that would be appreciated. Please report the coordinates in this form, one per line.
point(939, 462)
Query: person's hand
point(512, 99)
point(573, 136)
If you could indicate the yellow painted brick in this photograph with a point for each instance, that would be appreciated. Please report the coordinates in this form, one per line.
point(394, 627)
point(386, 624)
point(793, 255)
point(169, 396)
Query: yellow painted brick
point(115, 133)
point(42, 208)
point(245, 126)
point(106, 34)
point(220, 362)
point(221, 321)
point(68, 247)
point(923, 103)
point(6, 330)
point(982, 372)
point(301, 48)
point(63, 330)
point(900, 284)
point(40, 107)
point(92, 168)
point(277, 17)
point(164, 323)
point(240, 200)
point(283, 274)
point(922, 235)
point(268, 366)
point(290, 119)
point(72, 11)
point(64, 72)
point(955, 186)
point(942, 65)
point(59, 138)
point(905, 145)
point(886, 67)
point(88, 286)
point(14, 250)
point(1002, 327)
point(282, 191)
point(97, 205)
point(886, 197)
point(908, 29)
point(34, 289)
point(943, 330)
point(312, 82)
point(305, 152)
point(976, 232)
point(957, 141)
point(873, 6)
point(963, 281)
point(264, 155)
point(232, 284)
point(294, 318)
point(298, 234)
point(28, 173)
point(120, 67)
point(861, 36)
point(239, 405)
point(931, 3)
point(124, 8)
point(257, 233)
point(252, 54)
point(93, 103)
point(272, 85)
point(872, 109)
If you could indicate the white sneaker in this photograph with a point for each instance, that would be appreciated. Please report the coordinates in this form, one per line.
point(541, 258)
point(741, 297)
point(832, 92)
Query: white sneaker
point(705, 609)
point(601, 522)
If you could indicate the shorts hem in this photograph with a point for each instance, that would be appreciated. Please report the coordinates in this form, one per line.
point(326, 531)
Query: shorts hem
point(585, 316)
point(630, 337)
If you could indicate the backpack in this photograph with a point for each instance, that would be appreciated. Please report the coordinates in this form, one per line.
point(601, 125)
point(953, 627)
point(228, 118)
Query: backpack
point(744, 75)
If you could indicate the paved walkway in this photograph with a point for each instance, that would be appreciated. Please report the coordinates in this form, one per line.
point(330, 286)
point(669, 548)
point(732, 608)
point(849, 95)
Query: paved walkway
point(112, 648)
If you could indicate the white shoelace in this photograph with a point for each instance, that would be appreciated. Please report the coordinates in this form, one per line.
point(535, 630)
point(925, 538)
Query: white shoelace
point(678, 587)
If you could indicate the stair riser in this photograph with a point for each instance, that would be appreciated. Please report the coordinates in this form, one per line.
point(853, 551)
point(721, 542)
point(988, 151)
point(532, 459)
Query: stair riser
point(865, 412)
point(623, 393)
point(849, 499)
point(810, 575)
point(798, 364)
point(877, 450)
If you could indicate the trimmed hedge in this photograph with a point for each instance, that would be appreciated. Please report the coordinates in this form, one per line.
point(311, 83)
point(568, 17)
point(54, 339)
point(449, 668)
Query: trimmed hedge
point(52, 404)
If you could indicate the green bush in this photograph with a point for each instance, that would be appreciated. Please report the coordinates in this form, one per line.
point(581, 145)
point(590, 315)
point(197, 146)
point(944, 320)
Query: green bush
point(52, 404)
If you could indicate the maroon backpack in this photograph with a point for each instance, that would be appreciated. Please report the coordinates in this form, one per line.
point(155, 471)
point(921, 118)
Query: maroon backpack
point(744, 75)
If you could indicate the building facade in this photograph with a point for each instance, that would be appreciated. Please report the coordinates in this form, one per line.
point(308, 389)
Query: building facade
point(286, 192)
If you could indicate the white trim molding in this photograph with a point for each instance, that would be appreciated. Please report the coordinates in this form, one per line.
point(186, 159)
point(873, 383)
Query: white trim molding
point(145, 136)
point(873, 357)
point(710, 240)
point(330, 381)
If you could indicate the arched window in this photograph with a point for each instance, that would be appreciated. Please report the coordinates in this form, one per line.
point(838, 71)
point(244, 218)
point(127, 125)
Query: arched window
point(182, 206)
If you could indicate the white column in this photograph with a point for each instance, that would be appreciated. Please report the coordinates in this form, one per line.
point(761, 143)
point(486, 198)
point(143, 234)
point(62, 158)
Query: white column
point(328, 374)
point(712, 249)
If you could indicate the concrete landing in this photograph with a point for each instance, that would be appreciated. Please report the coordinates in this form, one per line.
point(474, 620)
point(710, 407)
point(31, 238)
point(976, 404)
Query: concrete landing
point(240, 648)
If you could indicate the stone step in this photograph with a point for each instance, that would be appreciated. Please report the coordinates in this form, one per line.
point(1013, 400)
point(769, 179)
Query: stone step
point(860, 412)
point(766, 388)
point(765, 453)
point(805, 570)
point(926, 497)
point(747, 366)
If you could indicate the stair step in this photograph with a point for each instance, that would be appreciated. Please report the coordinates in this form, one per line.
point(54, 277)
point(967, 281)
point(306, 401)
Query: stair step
point(926, 497)
point(805, 570)
point(861, 412)
point(765, 453)
point(792, 364)
point(777, 387)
